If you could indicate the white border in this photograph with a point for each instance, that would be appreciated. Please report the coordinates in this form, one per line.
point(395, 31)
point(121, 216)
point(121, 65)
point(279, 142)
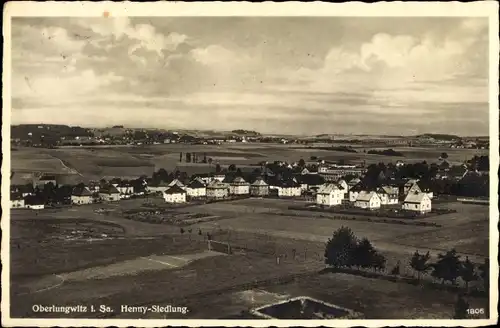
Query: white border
point(352, 9)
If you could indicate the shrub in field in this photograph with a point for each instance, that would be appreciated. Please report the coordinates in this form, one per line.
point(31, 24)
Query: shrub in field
point(468, 272)
point(447, 268)
point(339, 248)
point(420, 263)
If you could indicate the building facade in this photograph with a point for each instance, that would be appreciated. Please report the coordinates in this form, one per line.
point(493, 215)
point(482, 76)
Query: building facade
point(417, 202)
point(239, 187)
point(329, 195)
point(368, 200)
point(174, 195)
point(259, 188)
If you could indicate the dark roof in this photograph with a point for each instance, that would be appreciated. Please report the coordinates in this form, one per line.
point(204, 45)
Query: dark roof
point(289, 184)
point(81, 191)
point(310, 179)
point(109, 190)
point(195, 184)
point(175, 189)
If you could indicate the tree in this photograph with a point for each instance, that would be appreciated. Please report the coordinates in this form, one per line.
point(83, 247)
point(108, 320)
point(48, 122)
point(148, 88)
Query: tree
point(461, 307)
point(363, 254)
point(468, 272)
point(420, 263)
point(444, 155)
point(302, 163)
point(447, 268)
point(484, 273)
point(210, 161)
point(340, 247)
point(231, 168)
point(378, 261)
point(188, 157)
point(180, 157)
point(182, 230)
point(396, 270)
point(217, 168)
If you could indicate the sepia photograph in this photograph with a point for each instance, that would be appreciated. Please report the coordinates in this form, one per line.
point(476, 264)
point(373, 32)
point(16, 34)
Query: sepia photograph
point(250, 164)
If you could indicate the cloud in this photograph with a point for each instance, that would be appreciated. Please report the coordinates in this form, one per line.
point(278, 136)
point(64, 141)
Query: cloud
point(145, 36)
point(176, 71)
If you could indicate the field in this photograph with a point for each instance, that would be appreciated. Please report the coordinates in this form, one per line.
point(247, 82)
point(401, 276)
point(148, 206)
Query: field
point(82, 163)
point(77, 256)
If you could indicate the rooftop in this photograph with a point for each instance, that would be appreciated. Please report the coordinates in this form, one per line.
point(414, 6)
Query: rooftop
point(175, 189)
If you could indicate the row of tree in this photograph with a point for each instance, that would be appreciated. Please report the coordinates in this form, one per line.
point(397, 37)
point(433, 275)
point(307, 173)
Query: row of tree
point(449, 267)
point(345, 250)
point(195, 158)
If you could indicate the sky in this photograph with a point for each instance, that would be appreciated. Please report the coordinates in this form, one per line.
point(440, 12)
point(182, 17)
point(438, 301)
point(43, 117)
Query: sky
point(289, 75)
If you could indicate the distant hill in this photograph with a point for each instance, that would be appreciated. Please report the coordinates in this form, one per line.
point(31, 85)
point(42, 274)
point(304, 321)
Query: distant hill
point(246, 132)
point(37, 132)
point(439, 136)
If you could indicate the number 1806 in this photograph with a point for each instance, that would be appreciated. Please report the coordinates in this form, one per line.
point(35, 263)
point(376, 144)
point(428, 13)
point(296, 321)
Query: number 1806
point(475, 311)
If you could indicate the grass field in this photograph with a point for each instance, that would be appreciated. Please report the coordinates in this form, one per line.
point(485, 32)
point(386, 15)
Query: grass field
point(132, 161)
point(77, 256)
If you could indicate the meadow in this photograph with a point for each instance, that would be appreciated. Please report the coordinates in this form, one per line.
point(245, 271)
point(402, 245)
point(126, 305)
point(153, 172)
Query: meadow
point(81, 164)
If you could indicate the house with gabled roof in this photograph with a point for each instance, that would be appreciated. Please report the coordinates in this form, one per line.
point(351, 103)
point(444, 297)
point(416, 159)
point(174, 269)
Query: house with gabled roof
point(239, 187)
point(176, 182)
point(329, 194)
point(310, 181)
point(389, 195)
point(259, 188)
point(368, 199)
point(289, 188)
point(417, 202)
point(109, 193)
point(196, 189)
point(174, 195)
point(217, 190)
point(81, 195)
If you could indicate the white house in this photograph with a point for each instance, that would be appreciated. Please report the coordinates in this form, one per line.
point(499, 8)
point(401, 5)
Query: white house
point(196, 189)
point(81, 195)
point(417, 202)
point(259, 188)
point(289, 188)
point(239, 187)
point(369, 200)
point(17, 200)
point(217, 190)
point(388, 195)
point(126, 189)
point(175, 195)
point(109, 193)
point(329, 195)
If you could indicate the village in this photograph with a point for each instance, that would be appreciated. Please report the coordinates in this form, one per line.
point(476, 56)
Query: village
point(317, 183)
